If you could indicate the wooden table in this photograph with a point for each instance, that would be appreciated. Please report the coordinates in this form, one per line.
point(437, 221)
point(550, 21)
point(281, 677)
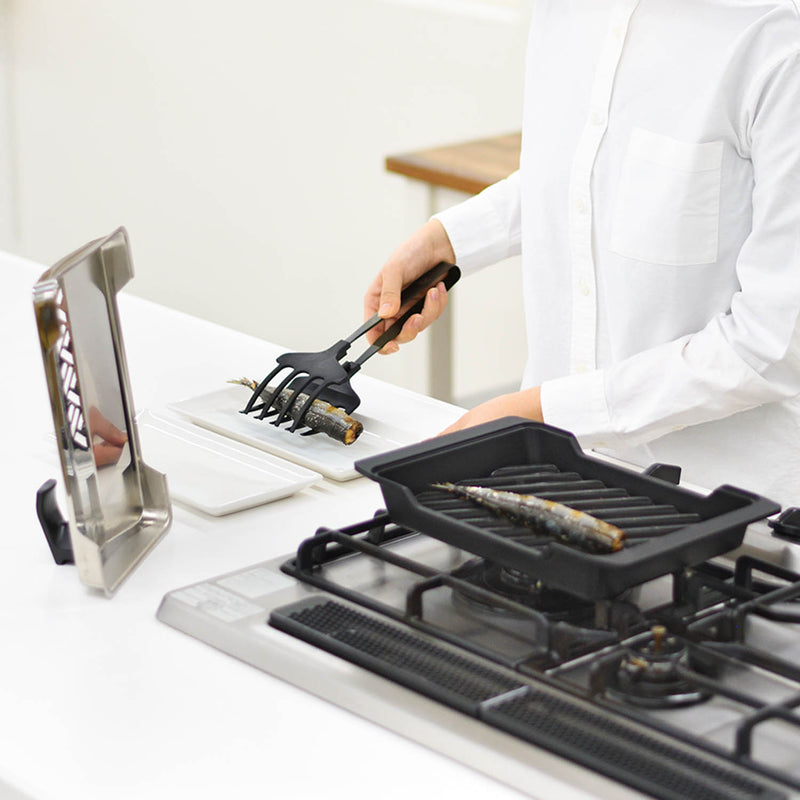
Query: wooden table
point(466, 167)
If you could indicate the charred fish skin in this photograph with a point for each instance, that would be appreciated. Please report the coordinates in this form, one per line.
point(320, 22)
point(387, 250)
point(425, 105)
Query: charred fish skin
point(565, 524)
point(322, 417)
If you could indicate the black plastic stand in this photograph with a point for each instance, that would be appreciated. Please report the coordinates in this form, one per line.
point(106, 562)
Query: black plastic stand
point(55, 527)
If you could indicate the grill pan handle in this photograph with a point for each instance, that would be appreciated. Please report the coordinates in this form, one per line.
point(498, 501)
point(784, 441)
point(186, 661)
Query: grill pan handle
point(671, 473)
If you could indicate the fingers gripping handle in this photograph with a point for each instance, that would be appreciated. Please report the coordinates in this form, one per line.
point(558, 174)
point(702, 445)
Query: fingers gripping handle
point(414, 293)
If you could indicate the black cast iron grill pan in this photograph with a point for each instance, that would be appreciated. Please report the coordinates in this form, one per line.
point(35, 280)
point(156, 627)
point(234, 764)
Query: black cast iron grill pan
point(667, 527)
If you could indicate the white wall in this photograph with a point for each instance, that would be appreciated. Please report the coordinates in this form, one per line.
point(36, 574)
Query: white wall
point(242, 145)
point(8, 210)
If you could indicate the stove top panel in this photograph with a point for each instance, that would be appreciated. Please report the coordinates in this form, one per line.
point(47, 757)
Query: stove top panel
point(685, 686)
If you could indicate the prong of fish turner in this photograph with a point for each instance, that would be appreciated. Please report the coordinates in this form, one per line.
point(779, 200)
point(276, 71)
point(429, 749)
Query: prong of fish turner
point(270, 399)
point(260, 388)
point(260, 407)
point(313, 395)
point(284, 413)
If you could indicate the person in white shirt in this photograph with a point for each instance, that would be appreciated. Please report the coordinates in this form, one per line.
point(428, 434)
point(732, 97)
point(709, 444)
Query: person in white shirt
point(657, 211)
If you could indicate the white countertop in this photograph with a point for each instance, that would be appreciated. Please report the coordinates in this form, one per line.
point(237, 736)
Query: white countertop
point(100, 700)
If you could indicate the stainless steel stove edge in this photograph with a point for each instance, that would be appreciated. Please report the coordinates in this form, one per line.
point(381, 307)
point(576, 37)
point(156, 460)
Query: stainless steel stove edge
point(534, 772)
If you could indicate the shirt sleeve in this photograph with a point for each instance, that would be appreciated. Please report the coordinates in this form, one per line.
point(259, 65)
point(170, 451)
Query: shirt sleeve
point(743, 358)
point(485, 228)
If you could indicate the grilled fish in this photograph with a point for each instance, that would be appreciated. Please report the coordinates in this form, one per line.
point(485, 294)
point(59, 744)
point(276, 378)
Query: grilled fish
point(321, 416)
point(565, 524)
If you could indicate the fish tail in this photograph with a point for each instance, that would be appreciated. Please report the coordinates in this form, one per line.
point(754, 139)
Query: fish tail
point(453, 488)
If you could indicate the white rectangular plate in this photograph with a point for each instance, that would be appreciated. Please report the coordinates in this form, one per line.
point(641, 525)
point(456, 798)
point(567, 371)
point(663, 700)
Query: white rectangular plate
point(212, 473)
point(413, 417)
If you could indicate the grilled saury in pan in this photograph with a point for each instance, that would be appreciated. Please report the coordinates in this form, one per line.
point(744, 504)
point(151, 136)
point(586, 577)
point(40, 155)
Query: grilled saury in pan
point(567, 525)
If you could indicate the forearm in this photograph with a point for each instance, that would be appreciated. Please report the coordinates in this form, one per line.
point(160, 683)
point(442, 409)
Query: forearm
point(525, 403)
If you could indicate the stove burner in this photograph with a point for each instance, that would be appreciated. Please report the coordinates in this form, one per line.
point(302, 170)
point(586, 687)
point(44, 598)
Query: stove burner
point(512, 584)
point(647, 674)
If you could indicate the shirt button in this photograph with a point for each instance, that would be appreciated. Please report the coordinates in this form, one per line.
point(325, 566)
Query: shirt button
point(617, 31)
point(584, 288)
point(580, 204)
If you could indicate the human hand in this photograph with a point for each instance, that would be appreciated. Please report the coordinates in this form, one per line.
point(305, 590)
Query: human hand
point(107, 439)
point(425, 248)
point(526, 403)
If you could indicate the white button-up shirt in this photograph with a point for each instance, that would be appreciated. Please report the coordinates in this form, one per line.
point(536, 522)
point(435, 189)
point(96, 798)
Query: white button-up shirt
point(657, 210)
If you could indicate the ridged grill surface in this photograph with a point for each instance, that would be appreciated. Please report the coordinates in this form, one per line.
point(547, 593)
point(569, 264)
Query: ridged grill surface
point(639, 516)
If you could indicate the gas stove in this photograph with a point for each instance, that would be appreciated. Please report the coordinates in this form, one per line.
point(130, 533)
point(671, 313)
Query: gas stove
point(684, 684)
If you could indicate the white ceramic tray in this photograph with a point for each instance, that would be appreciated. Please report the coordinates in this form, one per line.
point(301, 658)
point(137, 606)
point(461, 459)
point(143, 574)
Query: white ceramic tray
point(212, 473)
point(412, 417)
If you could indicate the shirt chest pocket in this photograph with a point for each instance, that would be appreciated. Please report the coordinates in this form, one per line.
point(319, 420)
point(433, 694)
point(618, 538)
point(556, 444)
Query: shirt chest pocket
point(667, 206)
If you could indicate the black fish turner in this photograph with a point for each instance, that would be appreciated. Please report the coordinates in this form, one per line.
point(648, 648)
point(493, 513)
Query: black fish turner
point(323, 376)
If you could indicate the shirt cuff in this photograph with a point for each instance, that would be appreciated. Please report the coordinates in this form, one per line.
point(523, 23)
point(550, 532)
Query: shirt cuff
point(484, 229)
point(577, 403)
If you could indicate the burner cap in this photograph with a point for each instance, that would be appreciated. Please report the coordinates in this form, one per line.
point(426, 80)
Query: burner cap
point(512, 584)
point(647, 674)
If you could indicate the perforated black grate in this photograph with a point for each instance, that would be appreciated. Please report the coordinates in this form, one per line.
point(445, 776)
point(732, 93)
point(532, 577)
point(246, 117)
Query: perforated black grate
point(633, 756)
point(529, 710)
point(399, 650)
